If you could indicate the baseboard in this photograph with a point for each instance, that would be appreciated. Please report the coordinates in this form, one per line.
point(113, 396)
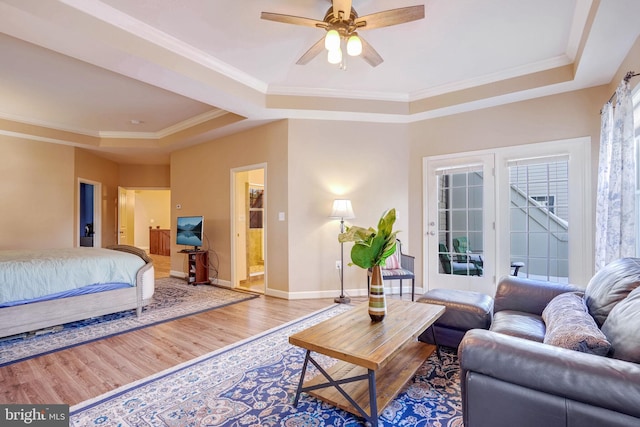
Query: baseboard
point(332, 293)
point(183, 275)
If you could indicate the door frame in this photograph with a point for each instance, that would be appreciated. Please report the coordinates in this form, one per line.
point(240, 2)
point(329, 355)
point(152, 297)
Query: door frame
point(97, 211)
point(581, 218)
point(234, 215)
point(432, 278)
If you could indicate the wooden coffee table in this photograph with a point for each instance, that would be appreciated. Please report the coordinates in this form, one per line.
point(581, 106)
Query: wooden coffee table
point(375, 359)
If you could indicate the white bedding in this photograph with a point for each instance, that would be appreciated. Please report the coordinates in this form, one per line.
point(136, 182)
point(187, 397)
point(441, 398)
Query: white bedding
point(28, 274)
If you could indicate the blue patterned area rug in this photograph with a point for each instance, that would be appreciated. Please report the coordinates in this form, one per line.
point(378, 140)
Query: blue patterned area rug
point(252, 383)
point(173, 298)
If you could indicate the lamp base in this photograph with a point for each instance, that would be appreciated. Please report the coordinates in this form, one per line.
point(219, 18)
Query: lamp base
point(342, 300)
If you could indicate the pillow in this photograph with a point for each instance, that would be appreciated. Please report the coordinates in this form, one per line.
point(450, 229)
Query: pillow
point(569, 325)
point(392, 263)
point(622, 328)
point(611, 285)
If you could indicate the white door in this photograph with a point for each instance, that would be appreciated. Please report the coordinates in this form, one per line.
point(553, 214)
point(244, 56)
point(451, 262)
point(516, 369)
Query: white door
point(460, 223)
point(126, 204)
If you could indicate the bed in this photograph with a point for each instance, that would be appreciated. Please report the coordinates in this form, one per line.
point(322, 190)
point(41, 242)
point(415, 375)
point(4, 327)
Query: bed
point(44, 288)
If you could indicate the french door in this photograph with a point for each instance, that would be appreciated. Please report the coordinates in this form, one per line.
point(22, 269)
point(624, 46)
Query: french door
point(489, 211)
point(460, 223)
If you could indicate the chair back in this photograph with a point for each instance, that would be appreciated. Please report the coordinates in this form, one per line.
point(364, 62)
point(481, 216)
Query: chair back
point(461, 247)
point(445, 259)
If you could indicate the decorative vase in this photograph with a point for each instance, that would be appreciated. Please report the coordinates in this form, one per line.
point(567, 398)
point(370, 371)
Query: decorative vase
point(377, 302)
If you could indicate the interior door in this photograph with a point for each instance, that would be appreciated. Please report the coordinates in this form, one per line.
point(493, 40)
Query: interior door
point(89, 213)
point(249, 228)
point(460, 223)
point(126, 202)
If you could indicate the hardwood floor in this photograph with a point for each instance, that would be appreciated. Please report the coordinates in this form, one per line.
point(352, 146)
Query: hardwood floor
point(74, 375)
point(80, 373)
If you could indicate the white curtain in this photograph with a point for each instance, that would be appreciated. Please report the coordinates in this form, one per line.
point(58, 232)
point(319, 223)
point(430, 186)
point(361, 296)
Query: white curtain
point(615, 207)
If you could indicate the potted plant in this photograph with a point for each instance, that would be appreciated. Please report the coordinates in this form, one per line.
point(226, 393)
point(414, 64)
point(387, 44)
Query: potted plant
point(370, 250)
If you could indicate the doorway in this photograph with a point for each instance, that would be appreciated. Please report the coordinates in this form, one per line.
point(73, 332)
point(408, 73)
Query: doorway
point(460, 244)
point(89, 214)
point(141, 210)
point(249, 228)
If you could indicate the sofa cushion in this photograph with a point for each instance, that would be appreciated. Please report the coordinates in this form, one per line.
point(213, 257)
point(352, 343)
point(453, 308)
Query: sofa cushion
point(622, 328)
point(569, 325)
point(518, 324)
point(611, 285)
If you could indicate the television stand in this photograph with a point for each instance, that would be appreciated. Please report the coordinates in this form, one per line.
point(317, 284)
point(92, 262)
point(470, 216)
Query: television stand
point(198, 267)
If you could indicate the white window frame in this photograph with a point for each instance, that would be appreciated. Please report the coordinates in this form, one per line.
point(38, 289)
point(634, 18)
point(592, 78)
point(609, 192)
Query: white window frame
point(581, 255)
point(636, 119)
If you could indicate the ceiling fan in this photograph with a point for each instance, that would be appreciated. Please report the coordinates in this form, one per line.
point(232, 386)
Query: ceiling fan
point(341, 23)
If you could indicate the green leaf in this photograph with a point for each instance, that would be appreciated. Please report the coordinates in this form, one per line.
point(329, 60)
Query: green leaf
point(372, 247)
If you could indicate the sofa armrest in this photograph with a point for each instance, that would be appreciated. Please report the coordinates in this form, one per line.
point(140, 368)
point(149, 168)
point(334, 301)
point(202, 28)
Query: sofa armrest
point(527, 295)
point(594, 380)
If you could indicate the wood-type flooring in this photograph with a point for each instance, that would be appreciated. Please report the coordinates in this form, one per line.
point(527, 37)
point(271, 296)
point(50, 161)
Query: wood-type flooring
point(74, 375)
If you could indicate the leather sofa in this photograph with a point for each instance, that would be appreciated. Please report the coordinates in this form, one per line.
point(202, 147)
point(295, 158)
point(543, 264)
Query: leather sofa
point(515, 374)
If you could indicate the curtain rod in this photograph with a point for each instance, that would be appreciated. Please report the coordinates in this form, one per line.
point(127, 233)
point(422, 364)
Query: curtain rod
point(627, 77)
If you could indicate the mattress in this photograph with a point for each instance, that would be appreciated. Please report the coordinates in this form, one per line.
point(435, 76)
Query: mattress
point(33, 274)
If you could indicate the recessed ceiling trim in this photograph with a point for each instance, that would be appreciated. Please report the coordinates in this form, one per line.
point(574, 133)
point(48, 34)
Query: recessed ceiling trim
point(128, 135)
point(193, 121)
point(140, 29)
point(547, 64)
point(33, 137)
point(44, 124)
point(578, 26)
point(337, 93)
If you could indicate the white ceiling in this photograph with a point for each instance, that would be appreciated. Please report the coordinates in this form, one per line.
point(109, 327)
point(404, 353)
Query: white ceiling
point(90, 67)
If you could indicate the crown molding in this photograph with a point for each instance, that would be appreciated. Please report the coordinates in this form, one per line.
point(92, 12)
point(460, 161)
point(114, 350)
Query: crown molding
point(547, 64)
point(112, 16)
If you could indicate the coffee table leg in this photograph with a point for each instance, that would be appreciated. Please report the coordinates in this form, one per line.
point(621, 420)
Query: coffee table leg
point(373, 399)
point(302, 374)
point(433, 332)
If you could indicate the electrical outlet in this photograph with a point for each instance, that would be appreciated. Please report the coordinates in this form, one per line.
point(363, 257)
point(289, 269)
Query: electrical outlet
point(338, 265)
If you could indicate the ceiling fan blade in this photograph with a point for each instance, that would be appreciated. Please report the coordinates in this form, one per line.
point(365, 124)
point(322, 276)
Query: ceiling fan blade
point(341, 5)
point(312, 52)
point(369, 54)
point(390, 17)
point(295, 20)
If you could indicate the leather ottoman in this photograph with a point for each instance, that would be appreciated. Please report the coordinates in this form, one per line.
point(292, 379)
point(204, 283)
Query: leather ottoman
point(465, 310)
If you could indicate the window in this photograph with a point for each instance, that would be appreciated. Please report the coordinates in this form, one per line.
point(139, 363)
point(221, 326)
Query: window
point(535, 208)
point(539, 217)
point(256, 209)
point(545, 218)
point(460, 221)
point(636, 121)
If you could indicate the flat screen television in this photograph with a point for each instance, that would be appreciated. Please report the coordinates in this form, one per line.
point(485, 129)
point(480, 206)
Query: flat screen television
point(189, 231)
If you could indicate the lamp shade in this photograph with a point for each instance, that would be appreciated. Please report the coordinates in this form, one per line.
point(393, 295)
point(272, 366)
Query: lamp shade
point(342, 209)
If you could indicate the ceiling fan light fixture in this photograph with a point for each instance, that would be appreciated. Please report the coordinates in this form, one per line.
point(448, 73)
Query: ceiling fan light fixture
point(334, 56)
point(332, 40)
point(354, 45)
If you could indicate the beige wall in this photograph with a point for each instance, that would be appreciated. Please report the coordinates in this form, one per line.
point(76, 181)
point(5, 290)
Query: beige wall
point(152, 208)
point(309, 163)
point(565, 116)
point(91, 167)
point(145, 176)
point(364, 162)
point(201, 184)
point(37, 193)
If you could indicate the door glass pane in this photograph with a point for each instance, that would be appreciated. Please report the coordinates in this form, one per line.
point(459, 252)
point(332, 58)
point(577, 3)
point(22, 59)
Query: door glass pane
point(539, 213)
point(460, 222)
